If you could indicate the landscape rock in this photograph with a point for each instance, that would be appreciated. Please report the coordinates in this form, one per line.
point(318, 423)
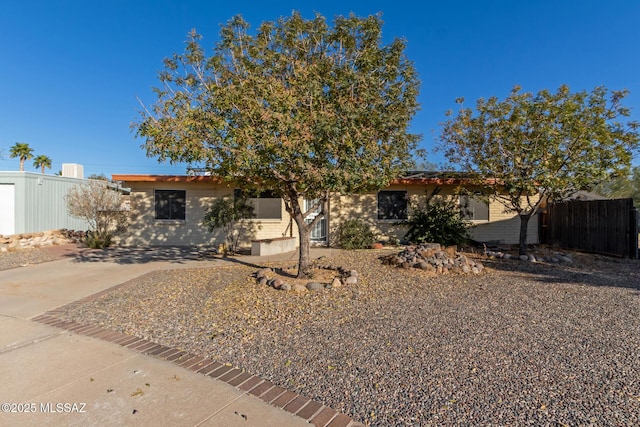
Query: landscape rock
point(35, 240)
point(299, 288)
point(336, 283)
point(451, 251)
point(314, 286)
point(351, 280)
point(431, 257)
point(263, 272)
point(285, 287)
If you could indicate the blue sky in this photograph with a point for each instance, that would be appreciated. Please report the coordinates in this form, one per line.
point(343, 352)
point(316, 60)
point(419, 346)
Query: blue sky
point(71, 70)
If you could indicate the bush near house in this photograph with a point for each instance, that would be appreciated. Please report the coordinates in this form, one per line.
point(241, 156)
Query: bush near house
point(102, 206)
point(439, 220)
point(355, 234)
point(228, 214)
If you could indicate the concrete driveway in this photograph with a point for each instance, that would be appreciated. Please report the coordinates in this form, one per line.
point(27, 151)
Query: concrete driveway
point(58, 377)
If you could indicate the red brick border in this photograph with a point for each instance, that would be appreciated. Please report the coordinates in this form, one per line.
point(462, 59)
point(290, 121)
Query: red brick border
point(311, 411)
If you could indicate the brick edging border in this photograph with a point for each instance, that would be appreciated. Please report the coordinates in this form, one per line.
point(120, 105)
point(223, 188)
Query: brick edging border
point(311, 411)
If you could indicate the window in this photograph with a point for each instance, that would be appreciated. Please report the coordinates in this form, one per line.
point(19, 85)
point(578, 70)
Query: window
point(266, 205)
point(474, 209)
point(392, 205)
point(170, 204)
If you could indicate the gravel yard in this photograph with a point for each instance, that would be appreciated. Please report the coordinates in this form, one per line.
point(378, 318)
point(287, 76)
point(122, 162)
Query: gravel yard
point(28, 256)
point(520, 344)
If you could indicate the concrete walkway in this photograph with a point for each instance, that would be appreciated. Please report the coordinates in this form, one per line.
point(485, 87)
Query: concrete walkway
point(60, 373)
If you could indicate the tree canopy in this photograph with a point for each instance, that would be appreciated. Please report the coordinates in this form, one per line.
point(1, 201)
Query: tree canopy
point(529, 148)
point(299, 108)
point(622, 186)
point(42, 162)
point(22, 151)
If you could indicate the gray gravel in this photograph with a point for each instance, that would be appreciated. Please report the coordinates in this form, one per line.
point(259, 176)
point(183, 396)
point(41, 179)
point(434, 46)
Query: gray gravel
point(521, 344)
point(28, 256)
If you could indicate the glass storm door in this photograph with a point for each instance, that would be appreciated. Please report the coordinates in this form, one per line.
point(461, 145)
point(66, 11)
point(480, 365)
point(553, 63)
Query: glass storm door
point(319, 232)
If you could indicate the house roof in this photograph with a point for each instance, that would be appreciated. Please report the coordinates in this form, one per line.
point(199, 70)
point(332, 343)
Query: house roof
point(409, 178)
point(165, 178)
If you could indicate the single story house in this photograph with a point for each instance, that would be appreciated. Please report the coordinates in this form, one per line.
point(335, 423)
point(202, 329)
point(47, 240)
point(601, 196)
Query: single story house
point(169, 210)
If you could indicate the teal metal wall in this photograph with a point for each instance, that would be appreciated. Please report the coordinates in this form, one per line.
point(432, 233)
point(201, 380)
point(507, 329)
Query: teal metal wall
point(40, 202)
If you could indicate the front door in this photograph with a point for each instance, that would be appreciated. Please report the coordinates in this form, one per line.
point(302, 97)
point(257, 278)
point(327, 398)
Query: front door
point(319, 232)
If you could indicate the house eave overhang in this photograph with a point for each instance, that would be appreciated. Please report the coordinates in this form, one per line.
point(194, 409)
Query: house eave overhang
point(166, 178)
point(412, 179)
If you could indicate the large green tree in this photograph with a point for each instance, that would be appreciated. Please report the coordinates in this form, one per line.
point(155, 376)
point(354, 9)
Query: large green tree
point(42, 162)
point(22, 151)
point(529, 148)
point(299, 108)
point(623, 186)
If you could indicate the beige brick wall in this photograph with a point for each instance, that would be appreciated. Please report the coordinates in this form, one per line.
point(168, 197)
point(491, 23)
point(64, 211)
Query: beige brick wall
point(145, 230)
point(503, 227)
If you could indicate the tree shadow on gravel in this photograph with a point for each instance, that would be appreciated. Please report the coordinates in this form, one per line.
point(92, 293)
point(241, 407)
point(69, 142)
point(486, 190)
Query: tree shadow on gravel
point(178, 255)
point(590, 271)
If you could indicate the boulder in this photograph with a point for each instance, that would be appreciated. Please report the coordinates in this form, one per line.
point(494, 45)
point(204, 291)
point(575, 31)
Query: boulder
point(451, 251)
point(314, 286)
point(299, 288)
point(285, 287)
point(351, 280)
point(434, 246)
point(263, 272)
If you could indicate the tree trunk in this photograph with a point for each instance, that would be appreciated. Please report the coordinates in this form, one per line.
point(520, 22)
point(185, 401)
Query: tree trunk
point(304, 233)
point(524, 223)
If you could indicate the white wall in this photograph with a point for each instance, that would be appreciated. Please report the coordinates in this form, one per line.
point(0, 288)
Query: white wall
point(7, 209)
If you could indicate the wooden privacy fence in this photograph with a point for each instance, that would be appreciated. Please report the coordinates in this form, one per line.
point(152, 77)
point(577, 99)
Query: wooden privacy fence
point(608, 227)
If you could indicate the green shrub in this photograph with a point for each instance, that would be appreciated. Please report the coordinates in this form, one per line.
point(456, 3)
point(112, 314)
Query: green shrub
point(227, 214)
point(355, 234)
point(439, 220)
point(95, 240)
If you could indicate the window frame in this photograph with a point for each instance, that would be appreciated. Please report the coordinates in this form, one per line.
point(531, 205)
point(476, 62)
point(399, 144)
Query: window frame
point(404, 212)
point(172, 200)
point(254, 197)
point(471, 202)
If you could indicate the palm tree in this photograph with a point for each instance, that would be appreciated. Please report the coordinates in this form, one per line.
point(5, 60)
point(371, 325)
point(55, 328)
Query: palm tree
point(42, 161)
point(22, 151)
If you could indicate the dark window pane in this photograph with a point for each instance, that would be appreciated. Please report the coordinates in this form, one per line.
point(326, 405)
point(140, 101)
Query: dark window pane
point(473, 209)
point(170, 204)
point(266, 205)
point(392, 205)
